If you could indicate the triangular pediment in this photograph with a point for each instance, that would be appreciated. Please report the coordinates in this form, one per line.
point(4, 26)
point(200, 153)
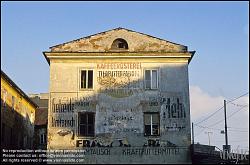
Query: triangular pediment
point(106, 42)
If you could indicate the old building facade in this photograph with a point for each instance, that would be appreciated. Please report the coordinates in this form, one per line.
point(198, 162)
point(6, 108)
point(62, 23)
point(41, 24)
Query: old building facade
point(17, 116)
point(41, 120)
point(122, 97)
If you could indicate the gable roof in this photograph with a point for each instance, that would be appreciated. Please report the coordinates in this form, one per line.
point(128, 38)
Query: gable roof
point(101, 42)
point(11, 83)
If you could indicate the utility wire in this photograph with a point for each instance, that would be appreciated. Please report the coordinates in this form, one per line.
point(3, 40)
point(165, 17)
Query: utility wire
point(237, 131)
point(199, 132)
point(238, 105)
point(221, 108)
point(228, 116)
point(219, 129)
point(207, 127)
point(238, 97)
point(239, 128)
point(232, 140)
point(209, 116)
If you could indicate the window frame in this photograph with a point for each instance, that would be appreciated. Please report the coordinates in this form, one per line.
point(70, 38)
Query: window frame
point(5, 93)
point(87, 75)
point(86, 125)
point(42, 138)
point(151, 79)
point(151, 123)
point(115, 46)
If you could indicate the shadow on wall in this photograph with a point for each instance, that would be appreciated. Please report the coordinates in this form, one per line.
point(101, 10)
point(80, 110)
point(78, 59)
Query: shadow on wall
point(114, 114)
point(16, 131)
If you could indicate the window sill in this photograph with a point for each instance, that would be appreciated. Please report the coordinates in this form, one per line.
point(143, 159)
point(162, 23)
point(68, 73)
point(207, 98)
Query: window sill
point(81, 89)
point(151, 136)
point(151, 89)
point(85, 137)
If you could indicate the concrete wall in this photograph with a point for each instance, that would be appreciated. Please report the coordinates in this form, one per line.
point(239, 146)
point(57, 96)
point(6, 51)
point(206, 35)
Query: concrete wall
point(41, 120)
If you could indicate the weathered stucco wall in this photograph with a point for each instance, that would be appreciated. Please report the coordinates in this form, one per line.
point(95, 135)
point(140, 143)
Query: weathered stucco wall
point(119, 99)
point(17, 117)
point(119, 113)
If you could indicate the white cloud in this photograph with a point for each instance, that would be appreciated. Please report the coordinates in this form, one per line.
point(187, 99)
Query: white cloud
point(202, 105)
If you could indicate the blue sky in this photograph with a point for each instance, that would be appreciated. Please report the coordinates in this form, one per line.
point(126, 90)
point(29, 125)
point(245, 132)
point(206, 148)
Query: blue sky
point(217, 31)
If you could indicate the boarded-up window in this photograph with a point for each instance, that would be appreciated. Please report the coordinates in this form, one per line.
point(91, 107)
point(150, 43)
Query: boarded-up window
point(86, 124)
point(151, 124)
point(151, 79)
point(86, 79)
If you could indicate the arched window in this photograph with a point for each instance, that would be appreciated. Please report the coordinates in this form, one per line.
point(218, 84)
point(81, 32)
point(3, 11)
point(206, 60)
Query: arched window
point(119, 44)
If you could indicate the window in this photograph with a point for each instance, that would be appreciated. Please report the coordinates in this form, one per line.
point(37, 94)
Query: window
point(4, 98)
point(86, 79)
point(151, 79)
point(13, 103)
point(151, 124)
point(43, 138)
point(122, 45)
point(86, 124)
point(119, 44)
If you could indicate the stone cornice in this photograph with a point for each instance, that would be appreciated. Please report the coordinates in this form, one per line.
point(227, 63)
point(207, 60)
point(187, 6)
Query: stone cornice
point(122, 55)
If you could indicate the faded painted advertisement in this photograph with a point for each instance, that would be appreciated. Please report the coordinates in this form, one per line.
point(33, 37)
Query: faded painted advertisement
point(119, 79)
point(120, 128)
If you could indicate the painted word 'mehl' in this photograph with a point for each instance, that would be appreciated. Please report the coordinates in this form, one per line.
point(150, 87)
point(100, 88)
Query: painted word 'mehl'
point(175, 110)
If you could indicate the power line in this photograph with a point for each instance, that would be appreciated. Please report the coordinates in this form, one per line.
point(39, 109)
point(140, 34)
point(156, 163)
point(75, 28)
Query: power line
point(238, 105)
point(210, 115)
point(218, 129)
point(238, 97)
point(199, 132)
point(207, 127)
point(221, 108)
point(204, 127)
point(238, 128)
point(232, 140)
point(237, 131)
point(228, 116)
